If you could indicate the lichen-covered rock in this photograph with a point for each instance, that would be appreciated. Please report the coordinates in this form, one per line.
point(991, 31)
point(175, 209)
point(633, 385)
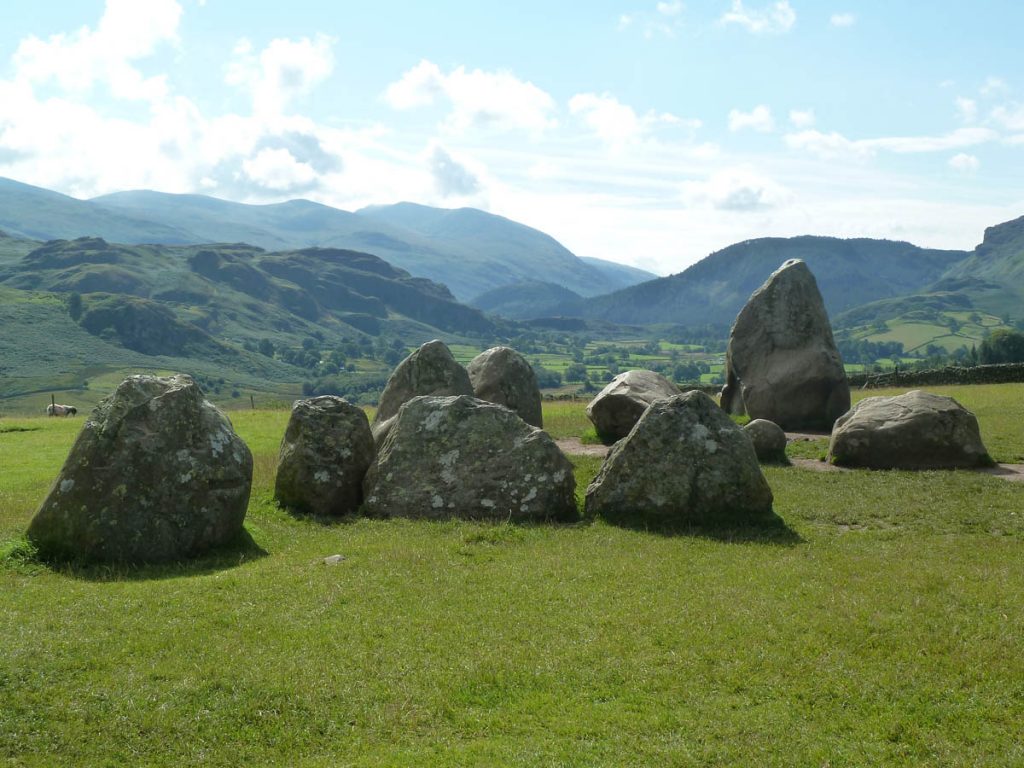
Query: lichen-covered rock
point(916, 430)
point(325, 453)
point(503, 376)
point(768, 439)
point(619, 406)
point(684, 462)
point(430, 370)
point(782, 363)
point(467, 458)
point(157, 474)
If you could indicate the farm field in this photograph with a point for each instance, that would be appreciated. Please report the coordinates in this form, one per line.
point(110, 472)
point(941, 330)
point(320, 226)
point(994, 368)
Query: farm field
point(878, 623)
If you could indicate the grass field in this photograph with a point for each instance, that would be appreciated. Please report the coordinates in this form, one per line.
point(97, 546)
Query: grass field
point(879, 623)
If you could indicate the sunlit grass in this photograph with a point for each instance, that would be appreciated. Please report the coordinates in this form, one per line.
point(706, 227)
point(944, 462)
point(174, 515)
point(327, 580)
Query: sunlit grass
point(880, 625)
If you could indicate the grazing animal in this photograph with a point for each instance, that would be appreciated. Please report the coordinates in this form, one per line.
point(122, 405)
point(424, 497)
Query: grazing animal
point(61, 410)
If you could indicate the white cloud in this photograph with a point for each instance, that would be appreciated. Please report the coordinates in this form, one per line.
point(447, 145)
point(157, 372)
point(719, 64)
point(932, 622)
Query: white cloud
point(670, 9)
point(842, 20)
point(964, 162)
point(735, 189)
point(994, 86)
point(283, 71)
point(278, 170)
point(128, 30)
point(835, 145)
point(490, 100)
point(1010, 116)
point(967, 109)
point(802, 118)
point(452, 177)
point(616, 123)
point(777, 17)
point(758, 119)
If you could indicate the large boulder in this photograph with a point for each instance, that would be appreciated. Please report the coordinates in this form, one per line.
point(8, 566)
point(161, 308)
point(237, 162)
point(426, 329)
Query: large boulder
point(782, 363)
point(503, 376)
point(685, 462)
point(917, 430)
point(157, 474)
point(325, 453)
point(430, 370)
point(463, 457)
point(620, 404)
point(768, 439)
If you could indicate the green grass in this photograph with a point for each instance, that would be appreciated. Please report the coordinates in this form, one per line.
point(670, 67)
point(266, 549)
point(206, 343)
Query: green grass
point(880, 625)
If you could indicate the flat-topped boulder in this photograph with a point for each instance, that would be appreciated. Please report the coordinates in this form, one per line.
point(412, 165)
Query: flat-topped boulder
point(324, 455)
point(464, 457)
point(430, 370)
point(685, 462)
point(618, 406)
point(916, 430)
point(503, 376)
point(156, 474)
point(782, 363)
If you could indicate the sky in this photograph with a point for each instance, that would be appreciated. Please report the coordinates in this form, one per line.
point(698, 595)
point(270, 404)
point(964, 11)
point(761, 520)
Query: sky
point(646, 133)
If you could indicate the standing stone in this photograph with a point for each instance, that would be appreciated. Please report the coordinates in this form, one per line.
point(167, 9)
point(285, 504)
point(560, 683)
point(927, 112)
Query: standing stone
point(782, 363)
point(916, 430)
point(768, 439)
point(325, 453)
point(503, 376)
point(684, 462)
point(622, 402)
point(467, 458)
point(156, 474)
point(430, 370)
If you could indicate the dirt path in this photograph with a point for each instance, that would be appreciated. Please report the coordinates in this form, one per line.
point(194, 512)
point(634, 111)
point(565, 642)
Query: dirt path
point(574, 446)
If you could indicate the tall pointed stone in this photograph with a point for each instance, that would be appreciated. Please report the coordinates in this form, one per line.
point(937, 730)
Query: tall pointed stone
point(782, 363)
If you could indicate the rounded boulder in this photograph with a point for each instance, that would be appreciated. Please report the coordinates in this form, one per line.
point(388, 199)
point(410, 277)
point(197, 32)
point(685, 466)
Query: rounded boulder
point(916, 430)
point(466, 458)
point(503, 376)
point(685, 462)
point(156, 474)
point(619, 406)
point(324, 455)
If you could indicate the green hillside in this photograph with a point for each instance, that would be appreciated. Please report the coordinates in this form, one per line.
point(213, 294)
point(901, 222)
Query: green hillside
point(522, 301)
point(849, 273)
point(248, 319)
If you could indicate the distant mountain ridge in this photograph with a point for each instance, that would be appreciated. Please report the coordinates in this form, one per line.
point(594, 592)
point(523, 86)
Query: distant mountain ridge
point(468, 250)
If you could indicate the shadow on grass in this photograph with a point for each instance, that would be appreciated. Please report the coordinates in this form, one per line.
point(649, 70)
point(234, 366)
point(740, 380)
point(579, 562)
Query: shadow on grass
point(20, 555)
point(769, 529)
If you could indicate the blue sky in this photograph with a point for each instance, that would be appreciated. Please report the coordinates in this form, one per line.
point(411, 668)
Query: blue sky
point(649, 133)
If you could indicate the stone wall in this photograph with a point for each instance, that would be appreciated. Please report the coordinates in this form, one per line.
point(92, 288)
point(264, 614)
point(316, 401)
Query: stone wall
point(1005, 373)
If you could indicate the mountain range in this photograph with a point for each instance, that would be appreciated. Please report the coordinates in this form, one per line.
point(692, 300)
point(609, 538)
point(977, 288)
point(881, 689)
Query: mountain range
point(192, 282)
point(468, 250)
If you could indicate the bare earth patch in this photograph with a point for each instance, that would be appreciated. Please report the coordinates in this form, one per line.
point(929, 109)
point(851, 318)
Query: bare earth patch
point(574, 446)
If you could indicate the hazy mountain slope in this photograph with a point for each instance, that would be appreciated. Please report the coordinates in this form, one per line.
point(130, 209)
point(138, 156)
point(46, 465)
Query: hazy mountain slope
point(523, 301)
point(849, 273)
point(623, 274)
point(36, 213)
point(497, 251)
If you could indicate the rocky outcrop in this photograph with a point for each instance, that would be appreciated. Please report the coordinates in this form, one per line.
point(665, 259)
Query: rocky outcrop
point(467, 458)
point(618, 406)
point(503, 376)
point(430, 370)
point(768, 439)
point(156, 474)
point(917, 430)
point(325, 453)
point(782, 363)
point(685, 462)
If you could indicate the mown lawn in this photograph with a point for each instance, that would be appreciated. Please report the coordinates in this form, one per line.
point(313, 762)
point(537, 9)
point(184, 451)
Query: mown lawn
point(879, 623)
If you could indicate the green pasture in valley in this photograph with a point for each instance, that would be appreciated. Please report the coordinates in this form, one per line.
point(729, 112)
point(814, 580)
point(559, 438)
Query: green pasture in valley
point(878, 623)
